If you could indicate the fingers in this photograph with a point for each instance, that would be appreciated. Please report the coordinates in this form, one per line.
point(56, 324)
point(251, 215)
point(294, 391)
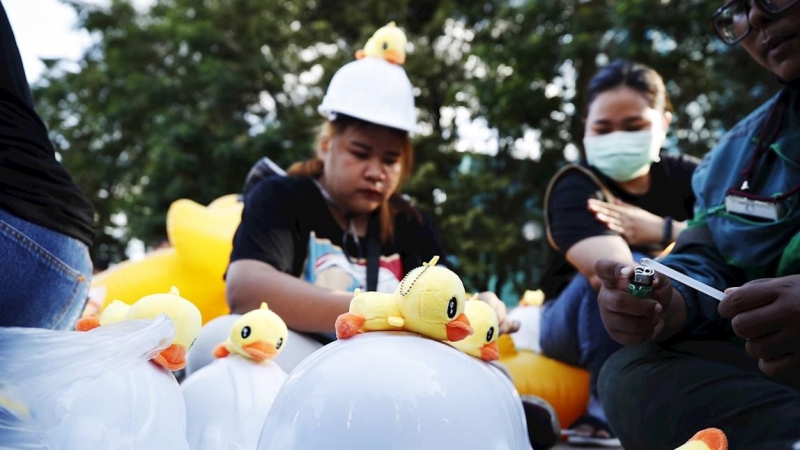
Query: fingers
point(754, 294)
point(614, 275)
point(759, 322)
point(775, 345)
point(509, 326)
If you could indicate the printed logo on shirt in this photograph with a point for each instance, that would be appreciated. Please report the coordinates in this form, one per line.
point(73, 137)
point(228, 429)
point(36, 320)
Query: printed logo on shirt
point(327, 266)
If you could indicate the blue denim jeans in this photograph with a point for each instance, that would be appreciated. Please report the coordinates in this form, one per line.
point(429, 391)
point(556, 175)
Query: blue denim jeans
point(45, 275)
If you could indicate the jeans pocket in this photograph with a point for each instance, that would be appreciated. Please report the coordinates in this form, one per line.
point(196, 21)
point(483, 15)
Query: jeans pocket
point(38, 289)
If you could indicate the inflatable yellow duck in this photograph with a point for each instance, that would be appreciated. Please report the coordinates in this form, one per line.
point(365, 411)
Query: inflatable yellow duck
point(483, 342)
point(201, 239)
point(708, 439)
point(429, 301)
point(388, 42)
point(185, 318)
point(258, 335)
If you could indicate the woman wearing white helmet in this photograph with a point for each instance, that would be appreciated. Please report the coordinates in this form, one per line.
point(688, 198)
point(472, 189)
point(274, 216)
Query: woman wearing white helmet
point(337, 222)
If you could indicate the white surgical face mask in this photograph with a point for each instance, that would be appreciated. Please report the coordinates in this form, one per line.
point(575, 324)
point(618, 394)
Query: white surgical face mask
point(623, 155)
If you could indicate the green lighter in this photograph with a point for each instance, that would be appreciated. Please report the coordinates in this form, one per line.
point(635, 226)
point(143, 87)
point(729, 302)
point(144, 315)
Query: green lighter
point(640, 283)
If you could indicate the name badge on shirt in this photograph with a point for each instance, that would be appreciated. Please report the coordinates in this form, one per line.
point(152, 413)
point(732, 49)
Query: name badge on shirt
point(755, 208)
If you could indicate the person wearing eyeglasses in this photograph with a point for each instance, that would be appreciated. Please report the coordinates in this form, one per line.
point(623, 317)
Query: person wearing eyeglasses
point(693, 362)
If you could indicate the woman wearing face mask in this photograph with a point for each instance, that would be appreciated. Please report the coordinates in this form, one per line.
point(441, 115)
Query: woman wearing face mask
point(628, 200)
point(692, 361)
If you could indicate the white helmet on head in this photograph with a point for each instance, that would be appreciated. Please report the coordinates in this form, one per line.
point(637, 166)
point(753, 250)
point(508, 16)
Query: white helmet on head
point(373, 90)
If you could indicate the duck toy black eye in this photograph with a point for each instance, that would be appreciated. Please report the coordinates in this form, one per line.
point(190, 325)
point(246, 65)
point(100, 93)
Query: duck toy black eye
point(451, 308)
point(279, 344)
point(385, 45)
point(490, 334)
point(246, 331)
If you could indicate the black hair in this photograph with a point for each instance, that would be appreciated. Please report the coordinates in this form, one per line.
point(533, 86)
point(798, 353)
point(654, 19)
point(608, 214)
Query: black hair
point(636, 76)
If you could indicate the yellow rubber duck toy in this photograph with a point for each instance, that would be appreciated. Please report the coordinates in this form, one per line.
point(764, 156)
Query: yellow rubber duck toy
point(429, 301)
point(388, 42)
point(707, 439)
point(483, 342)
point(258, 335)
point(184, 314)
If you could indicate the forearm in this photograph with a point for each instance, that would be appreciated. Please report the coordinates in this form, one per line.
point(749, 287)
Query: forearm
point(584, 254)
point(304, 307)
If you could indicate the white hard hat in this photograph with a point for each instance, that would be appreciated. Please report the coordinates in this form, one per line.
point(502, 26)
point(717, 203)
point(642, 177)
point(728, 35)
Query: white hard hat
point(373, 90)
point(227, 402)
point(394, 390)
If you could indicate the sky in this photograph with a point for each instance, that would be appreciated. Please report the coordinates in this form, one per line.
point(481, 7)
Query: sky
point(47, 29)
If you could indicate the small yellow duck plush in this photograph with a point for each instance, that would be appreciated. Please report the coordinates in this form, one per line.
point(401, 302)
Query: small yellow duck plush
point(388, 42)
point(429, 301)
point(114, 312)
point(708, 439)
point(184, 314)
point(483, 342)
point(258, 335)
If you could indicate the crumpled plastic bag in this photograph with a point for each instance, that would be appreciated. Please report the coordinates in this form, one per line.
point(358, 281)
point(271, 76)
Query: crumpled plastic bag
point(92, 390)
point(227, 402)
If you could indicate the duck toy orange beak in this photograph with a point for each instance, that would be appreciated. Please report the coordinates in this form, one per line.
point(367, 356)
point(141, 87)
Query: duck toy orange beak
point(490, 352)
point(260, 351)
point(459, 328)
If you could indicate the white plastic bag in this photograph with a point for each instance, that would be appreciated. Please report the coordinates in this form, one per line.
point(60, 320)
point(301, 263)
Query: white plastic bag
point(227, 402)
point(92, 390)
point(529, 318)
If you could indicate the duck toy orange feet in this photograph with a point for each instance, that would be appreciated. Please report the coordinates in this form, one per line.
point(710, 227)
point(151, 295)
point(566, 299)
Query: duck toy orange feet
point(185, 317)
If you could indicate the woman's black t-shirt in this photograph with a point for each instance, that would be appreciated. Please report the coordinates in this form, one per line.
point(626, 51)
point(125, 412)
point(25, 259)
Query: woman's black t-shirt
point(571, 221)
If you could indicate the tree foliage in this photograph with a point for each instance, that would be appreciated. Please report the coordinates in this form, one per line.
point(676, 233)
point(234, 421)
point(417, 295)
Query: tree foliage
point(178, 101)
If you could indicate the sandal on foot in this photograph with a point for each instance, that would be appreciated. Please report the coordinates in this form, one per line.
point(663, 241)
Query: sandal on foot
point(595, 438)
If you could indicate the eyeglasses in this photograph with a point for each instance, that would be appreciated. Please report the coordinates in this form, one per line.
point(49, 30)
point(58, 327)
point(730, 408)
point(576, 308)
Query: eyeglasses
point(731, 22)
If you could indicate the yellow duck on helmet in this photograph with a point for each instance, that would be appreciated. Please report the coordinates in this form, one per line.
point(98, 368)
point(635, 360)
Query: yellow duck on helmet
point(258, 335)
point(388, 42)
point(429, 301)
point(483, 342)
point(184, 315)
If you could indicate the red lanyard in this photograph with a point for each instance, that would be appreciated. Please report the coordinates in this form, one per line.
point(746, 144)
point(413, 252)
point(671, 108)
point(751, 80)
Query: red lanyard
point(768, 135)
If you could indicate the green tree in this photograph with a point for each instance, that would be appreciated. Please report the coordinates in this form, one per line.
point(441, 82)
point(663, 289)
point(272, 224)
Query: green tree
point(178, 101)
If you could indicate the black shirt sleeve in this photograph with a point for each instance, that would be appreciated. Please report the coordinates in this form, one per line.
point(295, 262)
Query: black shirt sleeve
point(569, 216)
point(269, 230)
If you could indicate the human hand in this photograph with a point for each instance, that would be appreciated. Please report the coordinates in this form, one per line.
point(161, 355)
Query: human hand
point(506, 325)
point(637, 226)
point(628, 319)
point(766, 313)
